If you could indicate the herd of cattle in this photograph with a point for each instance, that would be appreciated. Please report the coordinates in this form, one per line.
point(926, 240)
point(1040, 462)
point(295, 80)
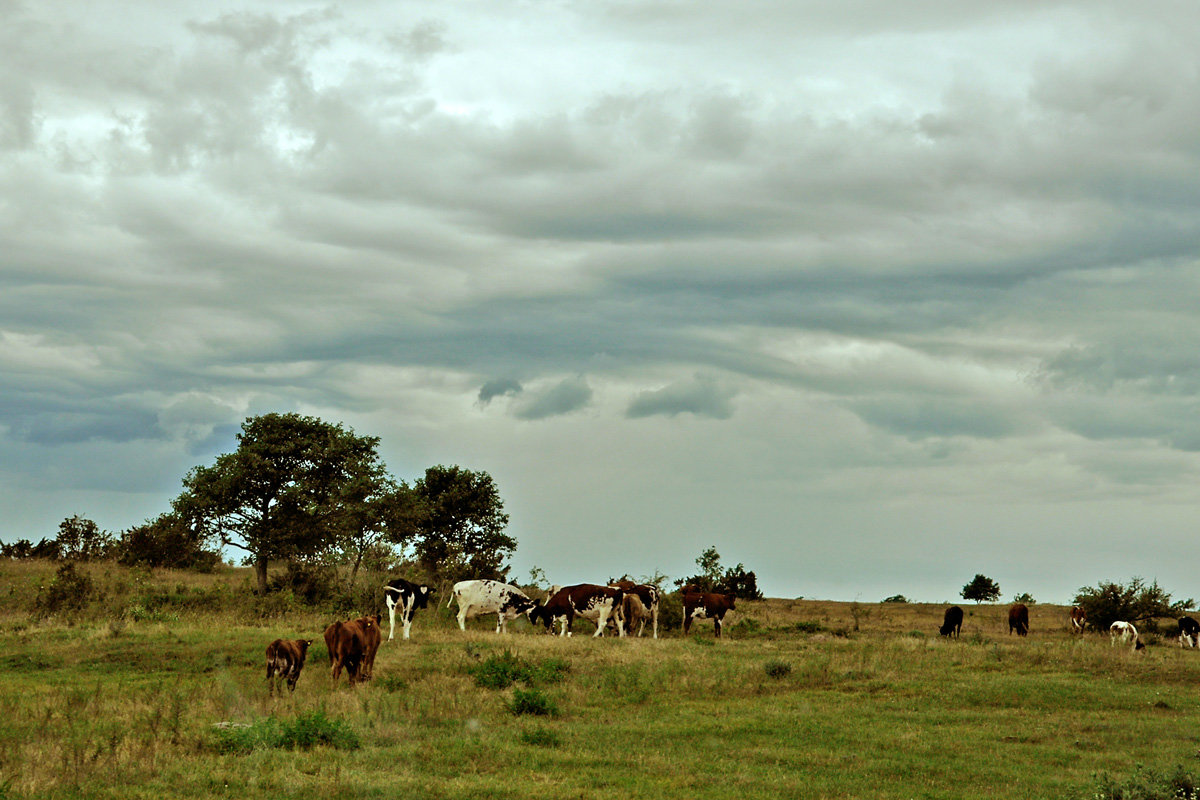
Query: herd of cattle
point(1119, 632)
point(625, 605)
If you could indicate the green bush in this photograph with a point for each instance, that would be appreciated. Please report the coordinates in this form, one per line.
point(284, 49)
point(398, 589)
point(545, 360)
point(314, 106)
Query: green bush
point(541, 737)
point(804, 627)
point(501, 670)
point(301, 733)
point(1146, 784)
point(532, 701)
point(67, 592)
point(777, 669)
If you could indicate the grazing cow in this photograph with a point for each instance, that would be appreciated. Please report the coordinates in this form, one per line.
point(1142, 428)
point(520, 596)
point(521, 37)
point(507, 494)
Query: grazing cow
point(640, 604)
point(1189, 632)
point(285, 659)
point(952, 623)
point(408, 597)
point(1126, 633)
point(1018, 619)
point(706, 605)
point(1078, 619)
point(489, 597)
point(352, 645)
point(587, 600)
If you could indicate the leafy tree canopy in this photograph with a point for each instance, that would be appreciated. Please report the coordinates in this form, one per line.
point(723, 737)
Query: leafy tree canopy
point(283, 493)
point(1136, 601)
point(458, 520)
point(981, 588)
point(713, 577)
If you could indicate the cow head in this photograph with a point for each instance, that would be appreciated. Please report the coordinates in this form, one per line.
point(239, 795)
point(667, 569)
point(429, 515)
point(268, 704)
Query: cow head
point(539, 613)
point(421, 597)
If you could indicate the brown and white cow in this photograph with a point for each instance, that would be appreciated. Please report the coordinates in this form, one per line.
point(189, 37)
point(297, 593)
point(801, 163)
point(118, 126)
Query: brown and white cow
point(474, 598)
point(588, 600)
point(1078, 619)
point(352, 645)
point(1018, 619)
point(706, 605)
point(285, 659)
point(1125, 633)
point(640, 604)
point(1189, 632)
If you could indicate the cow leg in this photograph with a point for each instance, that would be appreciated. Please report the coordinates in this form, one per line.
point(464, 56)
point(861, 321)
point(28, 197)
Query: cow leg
point(462, 616)
point(500, 622)
point(391, 604)
point(654, 619)
point(687, 623)
point(717, 627)
point(407, 617)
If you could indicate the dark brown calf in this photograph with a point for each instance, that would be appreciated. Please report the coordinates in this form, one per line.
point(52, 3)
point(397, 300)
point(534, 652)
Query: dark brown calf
point(952, 622)
point(702, 605)
point(1018, 619)
point(352, 645)
point(285, 659)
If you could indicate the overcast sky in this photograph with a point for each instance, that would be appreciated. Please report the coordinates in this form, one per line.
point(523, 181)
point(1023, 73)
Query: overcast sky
point(872, 296)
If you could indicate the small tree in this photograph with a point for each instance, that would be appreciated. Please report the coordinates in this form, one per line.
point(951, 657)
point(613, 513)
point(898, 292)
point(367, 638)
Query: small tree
point(896, 598)
point(713, 577)
point(1024, 597)
point(166, 541)
point(1107, 602)
point(459, 523)
point(981, 588)
point(80, 539)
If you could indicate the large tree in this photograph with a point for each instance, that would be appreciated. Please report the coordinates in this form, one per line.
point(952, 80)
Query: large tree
point(282, 494)
point(1136, 601)
point(459, 524)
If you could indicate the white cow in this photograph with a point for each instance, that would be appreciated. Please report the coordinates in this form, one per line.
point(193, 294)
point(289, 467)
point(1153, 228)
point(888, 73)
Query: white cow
point(489, 597)
point(1126, 634)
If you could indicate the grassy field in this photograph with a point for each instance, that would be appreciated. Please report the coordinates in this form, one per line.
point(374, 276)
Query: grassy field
point(802, 699)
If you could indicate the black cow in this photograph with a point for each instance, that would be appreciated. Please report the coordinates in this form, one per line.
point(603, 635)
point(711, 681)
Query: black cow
point(1018, 620)
point(952, 624)
point(408, 597)
point(1189, 632)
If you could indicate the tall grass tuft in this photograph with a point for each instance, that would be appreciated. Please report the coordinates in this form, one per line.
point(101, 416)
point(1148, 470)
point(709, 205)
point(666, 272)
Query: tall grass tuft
point(501, 670)
point(532, 701)
point(1148, 784)
point(301, 733)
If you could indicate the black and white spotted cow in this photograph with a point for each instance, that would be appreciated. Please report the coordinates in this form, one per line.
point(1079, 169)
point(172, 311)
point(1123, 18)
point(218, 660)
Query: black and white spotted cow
point(408, 597)
point(587, 600)
point(489, 597)
point(1189, 632)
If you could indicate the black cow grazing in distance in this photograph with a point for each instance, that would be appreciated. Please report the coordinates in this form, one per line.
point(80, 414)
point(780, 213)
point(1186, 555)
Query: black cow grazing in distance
point(1189, 632)
point(952, 624)
point(408, 597)
point(1018, 619)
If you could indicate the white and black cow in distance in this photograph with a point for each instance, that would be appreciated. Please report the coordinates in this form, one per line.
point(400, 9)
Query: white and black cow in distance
point(588, 600)
point(474, 598)
point(640, 603)
point(1125, 633)
point(1189, 632)
point(408, 597)
point(705, 605)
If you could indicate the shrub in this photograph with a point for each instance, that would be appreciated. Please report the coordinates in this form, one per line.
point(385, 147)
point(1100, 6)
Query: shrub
point(541, 737)
point(804, 627)
point(311, 584)
point(896, 598)
point(777, 669)
point(501, 670)
point(532, 701)
point(1146, 784)
point(68, 591)
point(302, 733)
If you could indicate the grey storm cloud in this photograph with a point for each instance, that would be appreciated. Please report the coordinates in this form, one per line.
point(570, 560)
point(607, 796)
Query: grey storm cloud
point(940, 254)
point(569, 394)
point(702, 396)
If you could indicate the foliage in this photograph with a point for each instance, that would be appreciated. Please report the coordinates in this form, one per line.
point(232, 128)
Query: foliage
point(304, 732)
point(532, 701)
point(166, 541)
point(310, 583)
point(68, 591)
point(283, 493)
point(1107, 602)
point(81, 539)
point(981, 588)
point(48, 549)
point(1024, 597)
point(777, 669)
point(541, 737)
point(459, 522)
point(1148, 784)
point(502, 670)
point(896, 598)
point(713, 577)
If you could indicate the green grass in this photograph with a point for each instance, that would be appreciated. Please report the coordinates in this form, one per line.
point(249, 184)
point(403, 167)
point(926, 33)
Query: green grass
point(179, 708)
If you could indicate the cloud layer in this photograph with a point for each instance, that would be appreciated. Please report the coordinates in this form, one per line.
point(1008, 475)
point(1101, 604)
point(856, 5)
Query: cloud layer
point(814, 284)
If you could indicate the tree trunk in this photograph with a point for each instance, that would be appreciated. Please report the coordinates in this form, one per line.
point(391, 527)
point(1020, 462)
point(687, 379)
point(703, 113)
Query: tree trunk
point(260, 572)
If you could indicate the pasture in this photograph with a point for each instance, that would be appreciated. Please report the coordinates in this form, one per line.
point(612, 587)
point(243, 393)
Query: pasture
point(801, 698)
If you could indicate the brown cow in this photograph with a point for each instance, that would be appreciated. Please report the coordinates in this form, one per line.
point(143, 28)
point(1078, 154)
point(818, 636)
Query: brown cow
point(285, 659)
point(1078, 619)
point(1018, 619)
point(352, 644)
point(588, 600)
point(705, 605)
point(640, 604)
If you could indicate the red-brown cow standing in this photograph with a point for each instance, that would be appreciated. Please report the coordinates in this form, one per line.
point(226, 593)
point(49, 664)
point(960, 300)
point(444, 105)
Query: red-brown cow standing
point(1018, 619)
point(352, 645)
point(1078, 619)
point(597, 603)
point(285, 659)
point(706, 605)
